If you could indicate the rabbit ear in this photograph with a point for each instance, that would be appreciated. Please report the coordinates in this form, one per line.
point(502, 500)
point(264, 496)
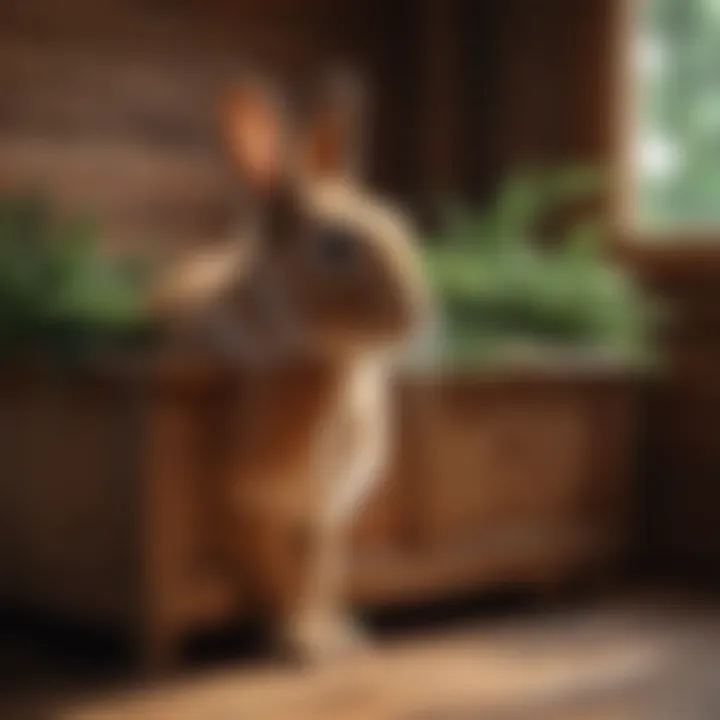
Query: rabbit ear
point(332, 143)
point(252, 126)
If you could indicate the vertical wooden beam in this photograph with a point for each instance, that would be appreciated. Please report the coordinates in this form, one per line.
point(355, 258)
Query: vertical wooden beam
point(169, 449)
point(526, 82)
point(438, 49)
point(622, 112)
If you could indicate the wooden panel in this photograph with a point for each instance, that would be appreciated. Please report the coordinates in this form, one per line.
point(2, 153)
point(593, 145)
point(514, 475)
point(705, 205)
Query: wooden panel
point(145, 196)
point(146, 73)
point(113, 105)
point(11, 483)
point(172, 569)
point(81, 95)
point(507, 460)
point(119, 492)
point(72, 487)
point(682, 470)
point(682, 444)
point(534, 87)
point(182, 27)
point(462, 90)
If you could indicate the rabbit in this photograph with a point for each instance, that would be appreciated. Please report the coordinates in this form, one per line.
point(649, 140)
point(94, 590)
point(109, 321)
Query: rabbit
point(317, 293)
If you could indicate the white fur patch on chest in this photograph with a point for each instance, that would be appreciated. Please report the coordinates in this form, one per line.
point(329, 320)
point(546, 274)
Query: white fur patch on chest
point(333, 466)
point(355, 446)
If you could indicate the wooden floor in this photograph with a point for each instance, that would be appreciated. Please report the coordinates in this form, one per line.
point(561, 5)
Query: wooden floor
point(636, 658)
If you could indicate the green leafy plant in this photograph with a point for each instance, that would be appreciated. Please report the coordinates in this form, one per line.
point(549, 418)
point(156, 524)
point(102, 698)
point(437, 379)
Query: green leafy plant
point(60, 294)
point(503, 292)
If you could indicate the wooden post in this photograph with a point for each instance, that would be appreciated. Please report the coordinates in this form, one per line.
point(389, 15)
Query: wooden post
point(439, 105)
point(165, 526)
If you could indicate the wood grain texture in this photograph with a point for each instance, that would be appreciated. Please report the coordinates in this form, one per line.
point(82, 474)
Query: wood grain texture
point(117, 490)
point(70, 486)
point(112, 106)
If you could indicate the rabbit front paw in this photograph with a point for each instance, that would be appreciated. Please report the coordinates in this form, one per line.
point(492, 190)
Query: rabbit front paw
point(320, 639)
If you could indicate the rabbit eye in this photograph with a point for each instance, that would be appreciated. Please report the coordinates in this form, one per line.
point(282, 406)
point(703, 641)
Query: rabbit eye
point(336, 248)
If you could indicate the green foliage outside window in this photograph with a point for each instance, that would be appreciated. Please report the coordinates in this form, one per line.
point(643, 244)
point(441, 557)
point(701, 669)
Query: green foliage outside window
point(677, 99)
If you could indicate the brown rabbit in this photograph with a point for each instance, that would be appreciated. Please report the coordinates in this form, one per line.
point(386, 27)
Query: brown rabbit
point(316, 293)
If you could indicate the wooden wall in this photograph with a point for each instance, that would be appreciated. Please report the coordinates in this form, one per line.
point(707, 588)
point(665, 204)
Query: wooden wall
point(681, 485)
point(532, 86)
point(111, 103)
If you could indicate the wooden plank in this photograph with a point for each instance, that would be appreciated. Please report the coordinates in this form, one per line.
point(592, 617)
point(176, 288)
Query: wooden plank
point(440, 103)
point(144, 195)
point(76, 95)
point(165, 523)
point(183, 28)
point(71, 500)
point(112, 106)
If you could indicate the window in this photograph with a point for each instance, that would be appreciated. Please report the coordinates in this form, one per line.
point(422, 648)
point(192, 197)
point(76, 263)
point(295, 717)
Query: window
point(676, 117)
